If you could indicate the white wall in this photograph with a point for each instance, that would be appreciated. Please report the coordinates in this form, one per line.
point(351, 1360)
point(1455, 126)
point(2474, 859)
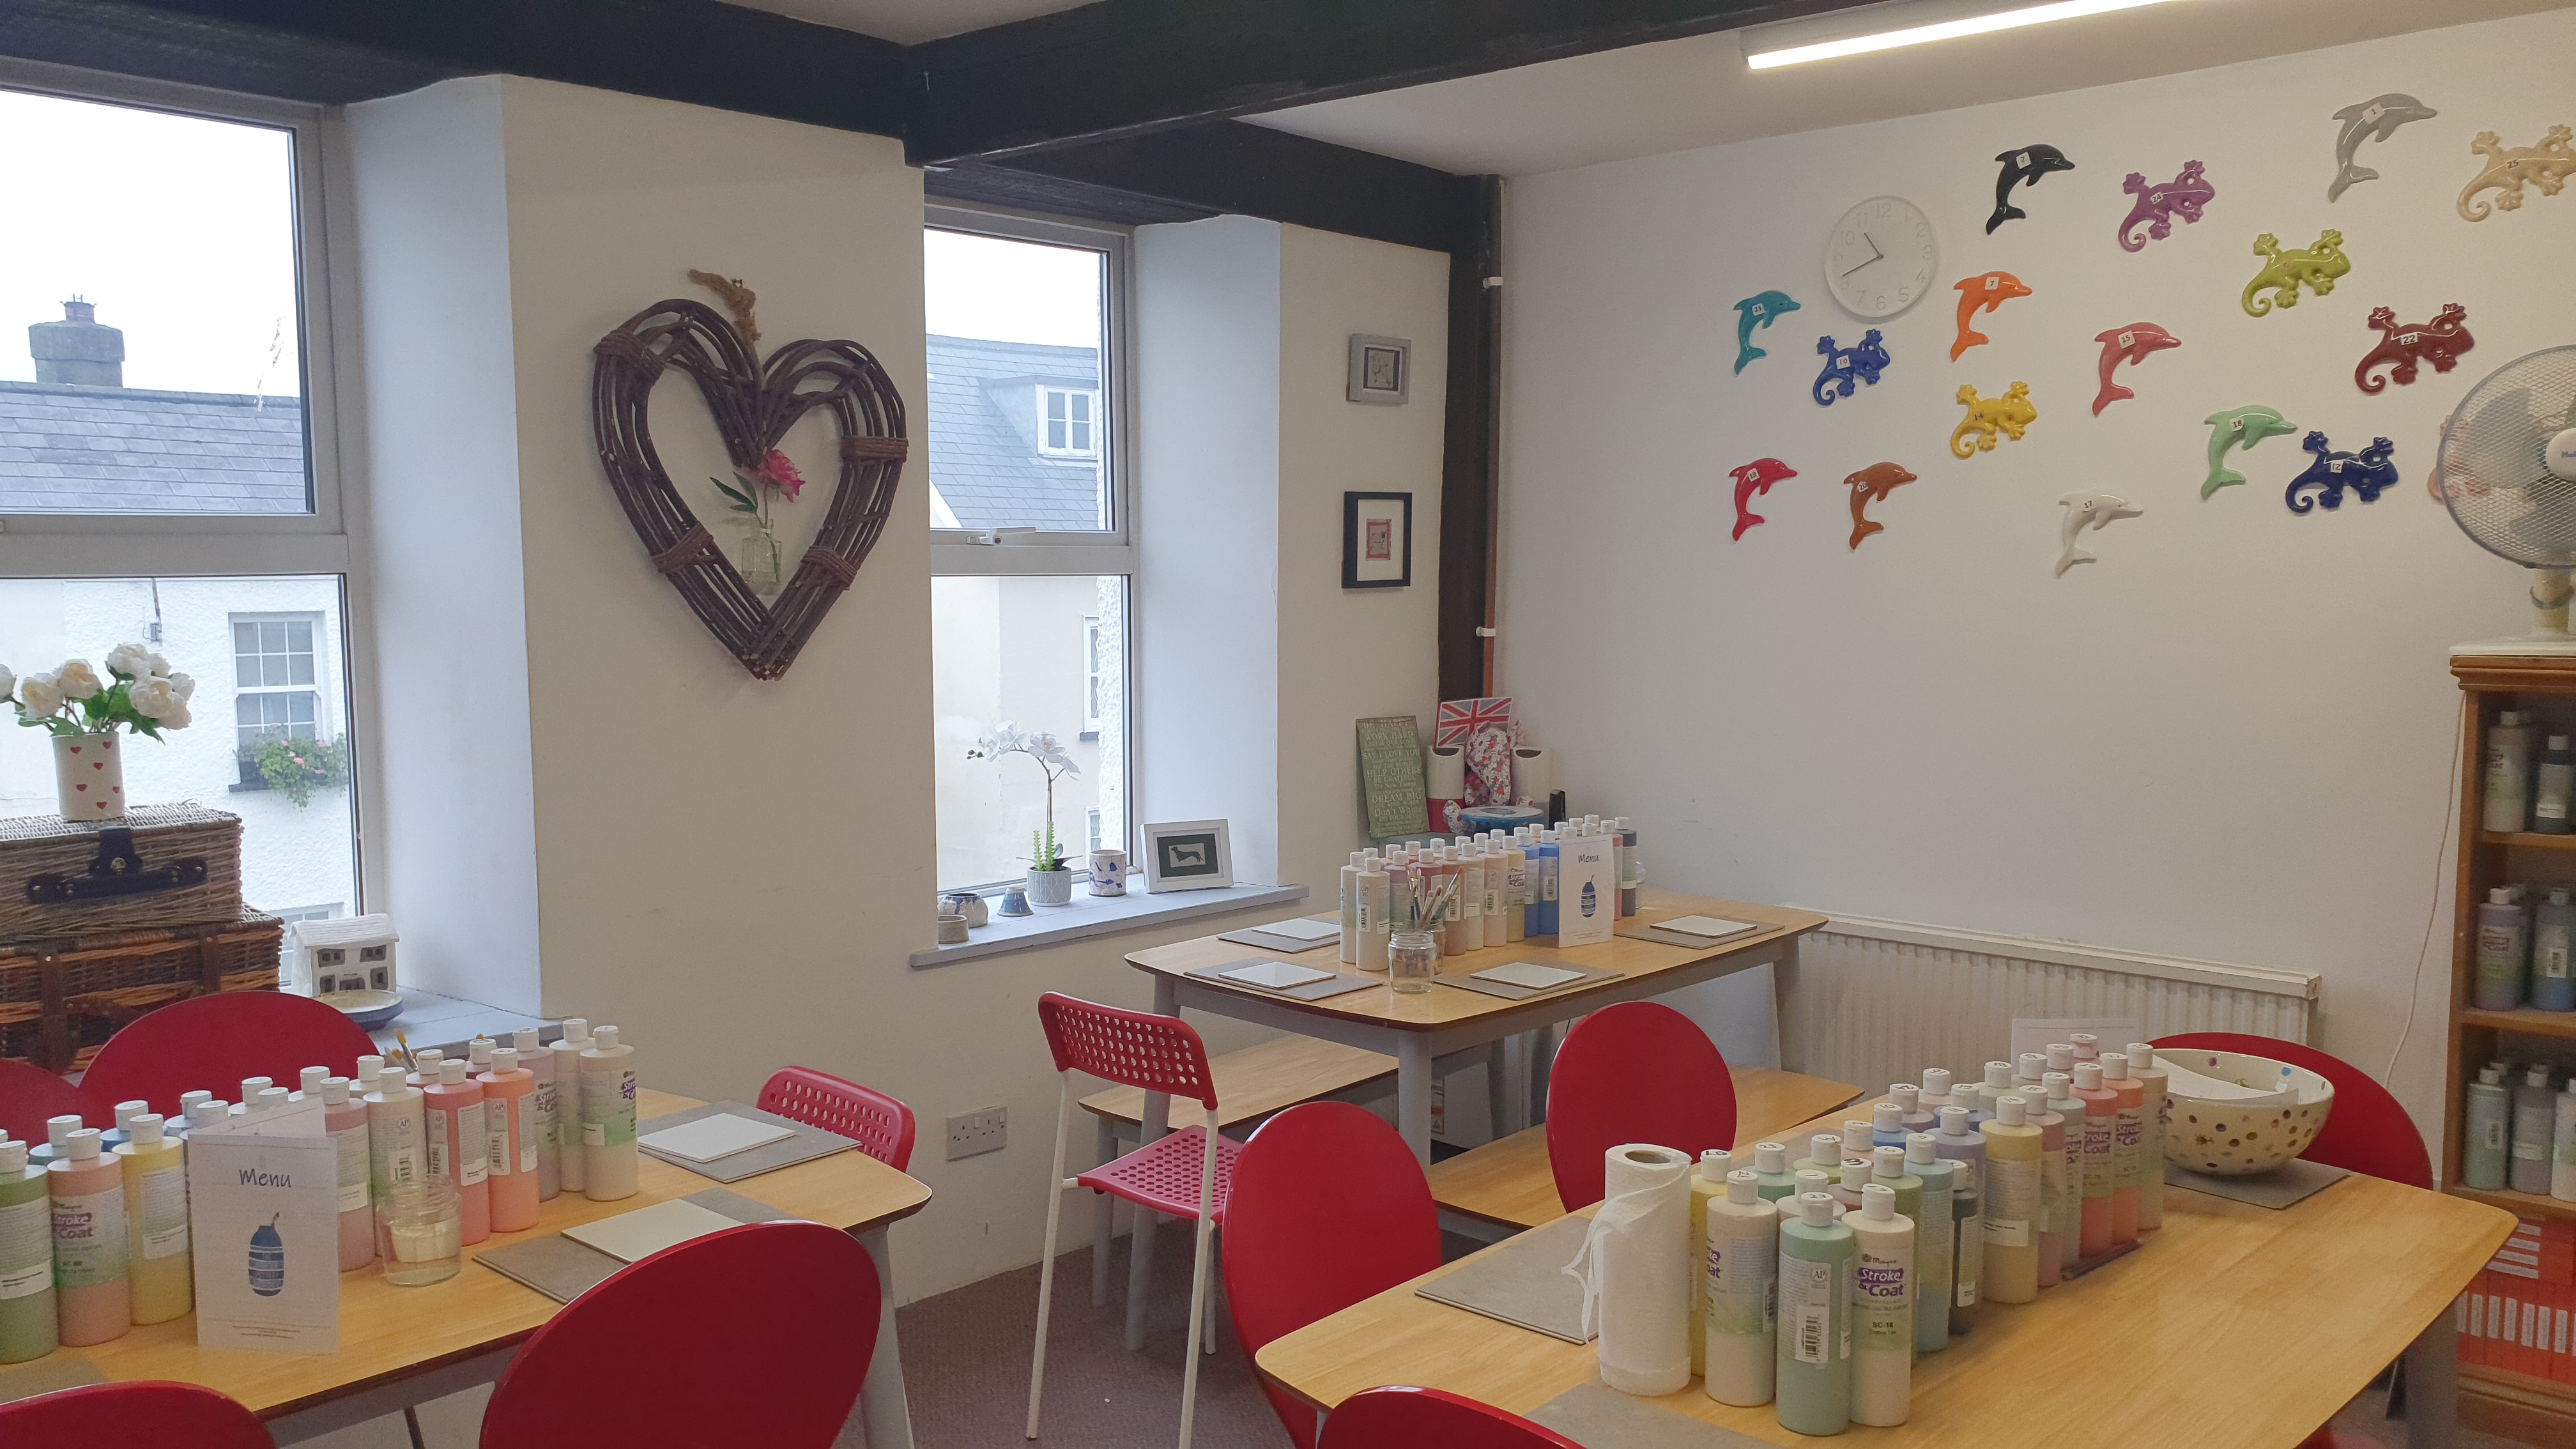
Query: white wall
point(2232, 737)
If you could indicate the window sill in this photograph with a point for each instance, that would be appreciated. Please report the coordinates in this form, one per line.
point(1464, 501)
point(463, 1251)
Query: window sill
point(1091, 916)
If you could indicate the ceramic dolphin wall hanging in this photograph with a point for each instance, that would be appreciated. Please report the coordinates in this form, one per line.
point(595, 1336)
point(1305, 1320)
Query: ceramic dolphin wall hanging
point(1761, 309)
point(1870, 485)
point(2375, 119)
point(2239, 427)
point(2132, 344)
point(2026, 165)
point(1754, 478)
point(2093, 509)
point(1989, 292)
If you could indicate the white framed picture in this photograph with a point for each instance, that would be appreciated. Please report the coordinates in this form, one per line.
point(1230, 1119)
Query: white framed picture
point(1187, 855)
point(1381, 369)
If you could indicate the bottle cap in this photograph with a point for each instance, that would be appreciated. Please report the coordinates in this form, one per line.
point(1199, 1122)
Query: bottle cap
point(2088, 1076)
point(1744, 1185)
point(335, 1091)
point(451, 1074)
point(1857, 1138)
point(1936, 1082)
point(272, 1098)
point(2057, 1085)
point(2087, 1045)
point(479, 1051)
point(505, 1059)
point(190, 1099)
point(2499, 895)
point(576, 1029)
point(605, 1038)
point(1812, 1179)
point(311, 1078)
point(1878, 1202)
point(1816, 1209)
point(1921, 1147)
point(1887, 1117)
point(1906, 1096)
point(207, 1113)
point(2032, 1064)
point(2115, 1066)
point(2558, 742)
point(1856, 1175)
point(2010, 1108)
point(253, 1086)
point(1887, 1162)
point(370, 1063)
point(1999, 1074)
point(82, 1146)
point(2538, 1076)
point(1826, 1147)
point(2558, 895)
point(59, 1130)
point(425, 1063)
point(2491, 1076)
point(1770, 1158)
point(1953, 1125)
point(145, 1130)
point(525, 1039)
point(2061, 1057)
point(1355, 860)
point(13, 1159)
point(2508, 719)
point(126, 1112)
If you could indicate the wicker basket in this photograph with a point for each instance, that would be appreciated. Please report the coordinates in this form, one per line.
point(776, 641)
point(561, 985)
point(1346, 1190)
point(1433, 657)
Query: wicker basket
point(163, 865)
point(60, 1000)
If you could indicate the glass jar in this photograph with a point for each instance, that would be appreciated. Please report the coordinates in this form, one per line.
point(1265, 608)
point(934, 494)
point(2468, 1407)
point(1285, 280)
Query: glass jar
point(1411, 958)
point(419, 1236)
point(761, 561)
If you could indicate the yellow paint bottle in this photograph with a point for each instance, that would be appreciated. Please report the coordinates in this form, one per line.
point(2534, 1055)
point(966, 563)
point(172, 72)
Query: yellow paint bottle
point(1706, 1185)
point(2012, 1203)
point(156, 1221)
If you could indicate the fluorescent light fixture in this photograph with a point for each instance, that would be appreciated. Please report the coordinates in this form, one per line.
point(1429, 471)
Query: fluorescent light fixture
point(1906, 22)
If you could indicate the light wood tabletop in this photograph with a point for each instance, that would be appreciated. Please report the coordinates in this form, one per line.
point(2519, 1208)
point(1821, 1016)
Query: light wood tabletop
point(389, 1333)
point(1264, 1078)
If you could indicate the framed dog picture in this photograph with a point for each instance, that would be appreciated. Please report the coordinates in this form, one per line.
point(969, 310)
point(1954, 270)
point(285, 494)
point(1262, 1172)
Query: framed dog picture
point(1381, 369)
point(1377, 540)
point(1189, 855)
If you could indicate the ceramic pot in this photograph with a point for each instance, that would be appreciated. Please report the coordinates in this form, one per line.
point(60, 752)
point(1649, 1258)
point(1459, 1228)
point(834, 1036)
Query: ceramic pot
point(952, 929)
point(1108, 872)
point(1015, 902)
point(2226, 1138)
point(89, 776)
point(1051, 887)
point(969, 905)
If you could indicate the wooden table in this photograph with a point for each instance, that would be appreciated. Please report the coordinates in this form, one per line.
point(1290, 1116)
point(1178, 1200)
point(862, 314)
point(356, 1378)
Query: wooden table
point(405, 1346)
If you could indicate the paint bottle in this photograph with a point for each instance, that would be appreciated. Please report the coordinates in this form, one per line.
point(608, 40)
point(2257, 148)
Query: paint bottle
point(155, 1179)
point(27, 1307)
point(1368, 905)
point(2011, 1268)
point(178, 1126)
point(345, 1118)
point(1743, 1273)
point(1824, 1154)
point(1632, 871)
point(2490, 1114)
point(2128, 1140)
point(249, 1101)
point(1956, 1142)
point(2086, 1046)
point(2152, 1107)
point(1496, 872)
point(1812, 1365)
point(2553, 942)
point(608, 1118)
point(91, 1302)
point(2028, 1071)
point(2555, 781)
point(397, 1138)
point(424, 1067)
point(2502, 949)
point(1470, 932)
point(1350, 879)
point(2053, 1201)
point(1998, 1081)
point(1887, 1168)
point(369, 1067)
point(2508, 773)
point(1771, 1169)
point(1887, 1126)
point(2070, 1218)
point(308, 1082)
point(510, 1133)
point(1882, 1308)
point(1846, 1189)
point(58, 1133)
point(1932, 1244)
point(1810, 1180)
point(1860, 1138)
point(209, 1113)
point(539, 1064)
point(1516, 900)
point(2101, 1123)
point(2535, 1116)
point(2562, 1148)
point(1909, 1102)
point(1548, 852)
point(460, 1152)
point(122, 1132)
point(1935, 1093)
point(1967, 1247)
point(478, 1056)
point(1707, 1185)
point(567, 1050)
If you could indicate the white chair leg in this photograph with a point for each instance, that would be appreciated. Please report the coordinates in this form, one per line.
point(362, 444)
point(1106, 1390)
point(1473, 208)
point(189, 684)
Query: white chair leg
point(1046, 1256)
point(1198, 1282)
point(1215, 1292)
point(1103, 1211)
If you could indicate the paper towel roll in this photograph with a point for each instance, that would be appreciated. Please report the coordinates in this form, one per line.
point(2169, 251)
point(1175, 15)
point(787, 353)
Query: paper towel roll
point(1634, 1269)
point(1533, 775)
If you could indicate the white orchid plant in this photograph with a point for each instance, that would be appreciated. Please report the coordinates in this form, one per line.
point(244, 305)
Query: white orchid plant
point(139, 693)
point(1007, 738)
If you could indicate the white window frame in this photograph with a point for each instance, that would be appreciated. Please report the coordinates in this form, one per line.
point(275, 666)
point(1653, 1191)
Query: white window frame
point(1047, 393)
point(322, 721)
point(1091, 675)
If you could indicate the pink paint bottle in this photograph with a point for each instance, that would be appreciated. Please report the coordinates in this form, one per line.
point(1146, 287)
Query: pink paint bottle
point(2128, 1136)
point(2053, 1198)
point(90, 1296)
point(345, 1118)
point(2101, 1114)
point(510, 1125)
point(459, 1154)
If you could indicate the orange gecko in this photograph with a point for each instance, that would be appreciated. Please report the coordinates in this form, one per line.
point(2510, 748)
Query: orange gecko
point(1869, 485)
point(1989, 291)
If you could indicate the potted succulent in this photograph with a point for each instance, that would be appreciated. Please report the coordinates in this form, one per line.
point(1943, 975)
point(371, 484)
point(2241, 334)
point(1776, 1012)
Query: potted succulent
point(83, 713)
point(1050, 879)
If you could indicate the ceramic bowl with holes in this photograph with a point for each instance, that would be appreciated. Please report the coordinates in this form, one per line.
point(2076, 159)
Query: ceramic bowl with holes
point(369, 1009)
point(2229, 1139)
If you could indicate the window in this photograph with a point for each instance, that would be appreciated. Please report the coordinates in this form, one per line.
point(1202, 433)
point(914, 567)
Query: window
point(1095, 677)
point(1066, 423)
point(273, 677)
point(1091, 824)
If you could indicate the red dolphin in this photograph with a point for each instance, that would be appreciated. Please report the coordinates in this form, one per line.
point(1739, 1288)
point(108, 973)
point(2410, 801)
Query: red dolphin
point(1869, 485)
point(1755, 477)
point(2135, 343)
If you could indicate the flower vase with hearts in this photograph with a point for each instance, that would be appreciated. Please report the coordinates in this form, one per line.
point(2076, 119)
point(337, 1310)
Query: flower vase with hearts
point(84, 714)
point(762, 487)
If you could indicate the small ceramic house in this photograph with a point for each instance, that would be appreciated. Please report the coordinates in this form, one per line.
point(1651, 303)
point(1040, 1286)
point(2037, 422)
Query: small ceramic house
point(353, 953)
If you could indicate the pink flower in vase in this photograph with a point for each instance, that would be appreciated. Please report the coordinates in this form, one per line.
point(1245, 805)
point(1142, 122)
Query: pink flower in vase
point(779, 471)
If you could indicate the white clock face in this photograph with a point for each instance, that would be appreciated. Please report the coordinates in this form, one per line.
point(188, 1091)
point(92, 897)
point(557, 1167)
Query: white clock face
point(1881, 257)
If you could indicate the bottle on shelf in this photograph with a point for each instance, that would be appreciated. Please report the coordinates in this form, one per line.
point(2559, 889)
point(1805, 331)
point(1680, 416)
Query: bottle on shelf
point(2553, 943)
point(2011, 1267)
point(2503, 951)
point(607, 1118)
point(1812, 1366)
point(1742, 1278)
point(2535, 1124)
point(27, 1309)
point(91, 1300)
point(2508, 773)
point(2490, 1117)
point(2553, 783)
point(2128, 1138)
point(2151, 1151)
point(157, 1280)
point(1882, 1308)
point(1932, 1243)
point(2562, 1147)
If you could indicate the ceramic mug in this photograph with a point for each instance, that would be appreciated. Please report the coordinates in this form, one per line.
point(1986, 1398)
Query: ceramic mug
point(952, 929)
point(1109, 872)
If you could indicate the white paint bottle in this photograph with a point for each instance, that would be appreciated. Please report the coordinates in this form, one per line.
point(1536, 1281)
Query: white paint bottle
point(1882, 1309)
point(1743, 1286)
point(2508, 773)
point(540, 1063)
point(1372, 887)
point(608, 1118)
point(567, 1050)
point(1351, 911)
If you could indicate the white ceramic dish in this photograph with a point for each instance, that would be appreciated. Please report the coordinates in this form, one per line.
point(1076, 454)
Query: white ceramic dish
point(369, 1009)
point(2231, 1139)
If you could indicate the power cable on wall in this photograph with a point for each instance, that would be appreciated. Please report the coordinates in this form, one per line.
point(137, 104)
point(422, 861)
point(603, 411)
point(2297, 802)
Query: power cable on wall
point(2432, 913)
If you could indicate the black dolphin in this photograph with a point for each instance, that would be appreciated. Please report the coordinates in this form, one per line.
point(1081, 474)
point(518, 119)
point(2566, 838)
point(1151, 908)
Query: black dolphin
point(2025, 165)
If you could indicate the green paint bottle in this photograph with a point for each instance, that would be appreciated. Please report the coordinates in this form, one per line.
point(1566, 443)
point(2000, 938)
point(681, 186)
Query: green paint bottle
point(26, 1258)
point(1813, 1361)
point(1933, 1243)
point(1771, 1167)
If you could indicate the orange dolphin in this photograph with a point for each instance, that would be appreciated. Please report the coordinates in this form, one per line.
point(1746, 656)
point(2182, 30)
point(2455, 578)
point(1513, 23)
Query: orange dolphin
point(1869, 485)
point(1989, 291)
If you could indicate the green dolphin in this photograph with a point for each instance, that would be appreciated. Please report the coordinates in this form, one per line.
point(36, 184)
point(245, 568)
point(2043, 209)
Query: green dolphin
point(1763, 308)
point(2245, 426)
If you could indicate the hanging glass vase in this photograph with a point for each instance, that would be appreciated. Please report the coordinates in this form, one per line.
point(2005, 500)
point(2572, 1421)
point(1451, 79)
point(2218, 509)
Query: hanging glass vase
point(760, 567)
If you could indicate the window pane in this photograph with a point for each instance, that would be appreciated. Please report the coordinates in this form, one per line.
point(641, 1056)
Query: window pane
point(155, 378)
point(292, 855)
point(1014, 323)
point(1011, 648)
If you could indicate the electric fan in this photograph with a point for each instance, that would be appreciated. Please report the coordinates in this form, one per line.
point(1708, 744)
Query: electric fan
point(2507, 472)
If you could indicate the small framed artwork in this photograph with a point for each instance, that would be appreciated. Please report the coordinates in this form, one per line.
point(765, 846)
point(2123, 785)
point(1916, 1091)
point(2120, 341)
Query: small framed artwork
point(1377, 540)
point(1188, 855)
point(1381, 369)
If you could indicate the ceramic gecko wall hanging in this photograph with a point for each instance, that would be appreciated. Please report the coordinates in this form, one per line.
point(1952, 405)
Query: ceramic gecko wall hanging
point(2545, 166)
point(2094, 509)
point(2283, 272)
point(2239, 427)
point(2025, 166)
point(2439, 342)
point(2375, 119)
point(2366, 473)
point(2010, 414)
point(2133, 344)
point(2158, 205)
point(1989, 292)
point(1870, 485)
point(1844, 365)
point(1753, 478)
point(1761, 309)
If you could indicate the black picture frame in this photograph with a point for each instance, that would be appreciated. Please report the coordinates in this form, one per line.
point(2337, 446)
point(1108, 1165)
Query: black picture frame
point(1355, 558)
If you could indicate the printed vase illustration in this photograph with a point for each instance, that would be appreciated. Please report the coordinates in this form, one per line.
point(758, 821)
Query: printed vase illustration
point(1590, 900)
point(267, 1260)
point(89, 776)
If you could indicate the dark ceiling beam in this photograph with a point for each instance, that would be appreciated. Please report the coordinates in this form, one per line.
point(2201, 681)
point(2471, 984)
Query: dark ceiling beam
point(1123, 67)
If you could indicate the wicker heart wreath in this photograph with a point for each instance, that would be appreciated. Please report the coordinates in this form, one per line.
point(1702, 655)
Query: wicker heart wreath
point(754, 402)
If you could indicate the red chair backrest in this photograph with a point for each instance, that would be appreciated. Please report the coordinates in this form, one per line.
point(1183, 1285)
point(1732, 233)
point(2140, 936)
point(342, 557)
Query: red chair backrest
point(1328, 1207)
point(139, 1415)
point(1131, 1048)
point(1635, 1072)
point(1403, 1418)
point(29, 1095)
point(2367, 1132)
point(881, 1125)
point(755, 1335)
point(213, 1042)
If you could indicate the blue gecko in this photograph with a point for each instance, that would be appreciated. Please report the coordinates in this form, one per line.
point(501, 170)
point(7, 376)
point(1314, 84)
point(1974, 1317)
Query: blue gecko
point(1843, 364)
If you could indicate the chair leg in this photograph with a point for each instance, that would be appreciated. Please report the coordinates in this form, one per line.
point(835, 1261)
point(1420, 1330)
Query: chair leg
point(1215, 1293)
point(1140, 1270)
point(1103, 1213)
point(1046, 1256)
point(1198, 1282)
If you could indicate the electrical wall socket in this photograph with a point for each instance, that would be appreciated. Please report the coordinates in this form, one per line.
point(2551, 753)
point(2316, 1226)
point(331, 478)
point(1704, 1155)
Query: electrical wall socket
point(971, 1134)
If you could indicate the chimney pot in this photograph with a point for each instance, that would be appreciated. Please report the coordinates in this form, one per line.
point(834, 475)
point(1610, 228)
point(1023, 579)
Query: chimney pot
point(78, 351)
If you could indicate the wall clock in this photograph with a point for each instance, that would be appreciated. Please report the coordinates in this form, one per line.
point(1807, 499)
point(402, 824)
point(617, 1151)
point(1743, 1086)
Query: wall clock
point(1879, 259)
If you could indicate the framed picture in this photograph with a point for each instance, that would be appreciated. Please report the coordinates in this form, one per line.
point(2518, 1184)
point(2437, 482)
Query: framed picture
point(1189, 855)
point(1377, 540)
point(1381, 369)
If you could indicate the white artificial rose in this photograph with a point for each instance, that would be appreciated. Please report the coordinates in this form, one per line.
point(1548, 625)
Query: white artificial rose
point(160, 666)
point(178, 718)
point(76, 679)
point(39, 696)
point(180, 684)
point(152, 698)
point(8, 682)
point(130, 660)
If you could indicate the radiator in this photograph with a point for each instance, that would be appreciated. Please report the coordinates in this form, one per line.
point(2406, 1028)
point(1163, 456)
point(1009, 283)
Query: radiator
point(1876, 1001)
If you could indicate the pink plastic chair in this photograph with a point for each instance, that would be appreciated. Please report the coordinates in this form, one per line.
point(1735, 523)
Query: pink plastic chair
point(759, 1334)
point(29, 1095)
point(139, 1415)
point(1179, 1174)
point(1291, 1255)
point(1405, 1418)
point(881, 1125)
point(2367, 1132)
point(212, 1042)
point(1635, 1072)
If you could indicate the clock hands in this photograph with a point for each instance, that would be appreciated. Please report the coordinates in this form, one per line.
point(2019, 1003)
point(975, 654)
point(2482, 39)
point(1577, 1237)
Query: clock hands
point(1875, 255)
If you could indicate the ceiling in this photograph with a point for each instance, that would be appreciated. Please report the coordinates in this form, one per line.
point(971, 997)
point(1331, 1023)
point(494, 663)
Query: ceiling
point(1679, 94)
point(910, 22)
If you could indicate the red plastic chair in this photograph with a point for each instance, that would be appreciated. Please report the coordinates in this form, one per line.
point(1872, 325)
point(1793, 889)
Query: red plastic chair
point(29, 1095)
point(139, 1415)
point(759, 1334)
point(881, 1125)
point(213, 1042)
point(1291, 1256)
point(1406, 1418)
point(1635, 1072)
point(2367, 1132)
point(1177, 1174)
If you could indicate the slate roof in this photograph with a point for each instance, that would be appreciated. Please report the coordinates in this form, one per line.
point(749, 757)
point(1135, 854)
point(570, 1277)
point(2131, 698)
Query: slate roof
point(984, 458)
point(70, 449)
